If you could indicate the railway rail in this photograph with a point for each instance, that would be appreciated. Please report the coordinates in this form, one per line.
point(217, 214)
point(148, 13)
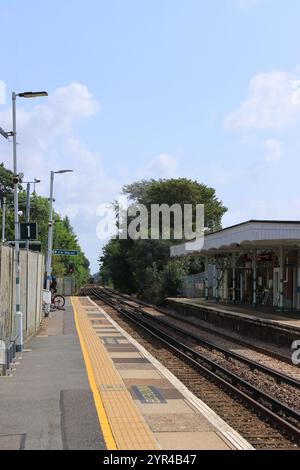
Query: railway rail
point(284, 418)
point(281, 377)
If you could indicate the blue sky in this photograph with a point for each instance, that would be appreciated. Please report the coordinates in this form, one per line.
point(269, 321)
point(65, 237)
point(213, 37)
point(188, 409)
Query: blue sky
point(156, 88)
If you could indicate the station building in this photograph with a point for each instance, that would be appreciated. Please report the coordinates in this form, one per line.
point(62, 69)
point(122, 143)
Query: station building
point(256, 262)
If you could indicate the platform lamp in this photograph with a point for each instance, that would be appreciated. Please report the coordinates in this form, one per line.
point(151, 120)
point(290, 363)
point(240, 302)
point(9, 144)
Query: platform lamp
point(27, 213)
point(16, 180)
point(50, 235)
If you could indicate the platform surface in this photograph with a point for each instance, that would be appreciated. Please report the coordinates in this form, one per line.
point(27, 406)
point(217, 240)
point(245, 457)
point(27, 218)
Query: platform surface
point(84, 383)
point(267, 315)
point(47, 403)
point(145, 406)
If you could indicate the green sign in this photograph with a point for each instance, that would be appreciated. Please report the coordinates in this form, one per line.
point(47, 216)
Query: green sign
point(65, 252)
point(28, 231)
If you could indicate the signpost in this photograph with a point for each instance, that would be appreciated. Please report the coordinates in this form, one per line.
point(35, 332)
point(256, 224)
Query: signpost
point(28, 231)
point(65, 252)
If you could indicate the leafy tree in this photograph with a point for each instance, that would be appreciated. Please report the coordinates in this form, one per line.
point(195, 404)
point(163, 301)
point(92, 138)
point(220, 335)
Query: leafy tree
point(178, 191)
point(144, 266)
point(6, 181)
point(63, 234)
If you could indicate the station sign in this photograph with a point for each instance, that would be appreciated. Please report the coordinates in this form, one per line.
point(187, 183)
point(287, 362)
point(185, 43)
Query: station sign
point(28, 230)
point(65, 252)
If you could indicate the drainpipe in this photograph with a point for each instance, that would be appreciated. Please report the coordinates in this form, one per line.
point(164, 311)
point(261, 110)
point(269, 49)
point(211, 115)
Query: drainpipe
point(233, 277)
point(281, 262)
point(254, 265)
point(206, 278)
point(2, 358)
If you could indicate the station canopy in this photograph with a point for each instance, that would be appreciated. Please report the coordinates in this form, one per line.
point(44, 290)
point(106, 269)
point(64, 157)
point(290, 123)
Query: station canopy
point(250, 235)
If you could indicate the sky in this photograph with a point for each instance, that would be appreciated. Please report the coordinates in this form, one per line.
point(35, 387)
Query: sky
point(203, 89)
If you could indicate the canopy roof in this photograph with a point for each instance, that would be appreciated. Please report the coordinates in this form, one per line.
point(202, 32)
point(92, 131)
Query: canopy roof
point(253, 234)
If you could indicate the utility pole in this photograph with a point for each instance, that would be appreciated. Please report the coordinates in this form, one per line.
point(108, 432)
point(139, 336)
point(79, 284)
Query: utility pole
point(50, 238)
point(50, 235)
point(16, 180)
point(27, 214)
point(18, 313)
point(3, 218)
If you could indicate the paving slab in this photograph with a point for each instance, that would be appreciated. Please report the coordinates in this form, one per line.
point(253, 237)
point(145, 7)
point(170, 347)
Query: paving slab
point(48, 399)
point(138, 393)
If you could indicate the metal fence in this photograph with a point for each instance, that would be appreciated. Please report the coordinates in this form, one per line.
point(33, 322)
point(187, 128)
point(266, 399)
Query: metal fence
point(194, 286)
point(66, 285)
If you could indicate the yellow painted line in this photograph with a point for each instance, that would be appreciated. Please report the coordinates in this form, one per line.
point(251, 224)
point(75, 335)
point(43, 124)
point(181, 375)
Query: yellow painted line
point(102, 417)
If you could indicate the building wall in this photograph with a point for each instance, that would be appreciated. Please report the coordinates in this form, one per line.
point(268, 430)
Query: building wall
point(31, 274)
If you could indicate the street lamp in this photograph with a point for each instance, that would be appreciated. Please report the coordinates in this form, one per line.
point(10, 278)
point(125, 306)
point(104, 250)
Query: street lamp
point(32, 94)
point(36, 181)
point(5, 134)
point(27, 213)
point(16, 179)
point(50, 235)
point(3, 207)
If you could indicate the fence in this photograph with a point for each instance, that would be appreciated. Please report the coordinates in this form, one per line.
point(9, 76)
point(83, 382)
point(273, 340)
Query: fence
point(31, 278)
point(66, 285)
point(194, 286)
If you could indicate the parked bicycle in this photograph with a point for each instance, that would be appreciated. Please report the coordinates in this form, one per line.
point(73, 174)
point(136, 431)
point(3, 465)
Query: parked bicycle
point(58, 301)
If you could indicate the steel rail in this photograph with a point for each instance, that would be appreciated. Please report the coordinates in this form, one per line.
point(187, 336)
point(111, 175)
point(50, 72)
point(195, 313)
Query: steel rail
point(168, 313)
point(253, 365)
point(249, 393)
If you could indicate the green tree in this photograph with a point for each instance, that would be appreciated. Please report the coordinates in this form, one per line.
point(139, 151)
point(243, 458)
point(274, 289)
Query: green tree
point(144, 267)
point(63, 234)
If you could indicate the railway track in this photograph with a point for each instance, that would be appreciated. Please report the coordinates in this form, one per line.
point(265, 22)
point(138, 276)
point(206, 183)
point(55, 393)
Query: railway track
point(192, 321)
point(284, 419)
point(280, 366)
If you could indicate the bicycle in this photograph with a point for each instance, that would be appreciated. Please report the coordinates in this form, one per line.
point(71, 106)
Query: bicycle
point(58, 301)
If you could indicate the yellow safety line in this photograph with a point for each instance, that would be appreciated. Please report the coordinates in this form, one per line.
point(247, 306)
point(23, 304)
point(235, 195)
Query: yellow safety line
point(102, 416)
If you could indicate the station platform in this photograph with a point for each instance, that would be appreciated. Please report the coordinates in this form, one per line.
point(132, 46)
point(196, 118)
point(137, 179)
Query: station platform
point(261, 312)
point(141, 402)
point(264, 322)
point(46, 402)
point(84, 383)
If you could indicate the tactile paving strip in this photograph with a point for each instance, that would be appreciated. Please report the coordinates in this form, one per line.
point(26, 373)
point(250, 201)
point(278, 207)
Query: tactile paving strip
point(129, 428)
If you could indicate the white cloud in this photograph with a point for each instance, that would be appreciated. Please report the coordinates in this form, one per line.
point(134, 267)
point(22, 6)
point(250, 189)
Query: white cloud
point(48, 141)
point(273, 102)
point(162, 166)
point(273, 150)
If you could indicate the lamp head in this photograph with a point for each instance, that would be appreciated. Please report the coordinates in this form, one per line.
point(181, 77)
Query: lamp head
point(3, 133)
point(32, 94)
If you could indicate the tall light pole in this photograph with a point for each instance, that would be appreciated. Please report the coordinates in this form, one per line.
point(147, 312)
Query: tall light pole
point(3, 218)
point(6, 136)
point(18, 313)
point(27, 213)
point(50, 234)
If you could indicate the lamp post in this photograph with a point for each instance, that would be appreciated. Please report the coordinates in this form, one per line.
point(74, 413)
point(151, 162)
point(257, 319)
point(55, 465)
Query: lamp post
point(50, 234)
point(18, 313)
point(6, 136)
point(3, 218)
point(27, 213)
